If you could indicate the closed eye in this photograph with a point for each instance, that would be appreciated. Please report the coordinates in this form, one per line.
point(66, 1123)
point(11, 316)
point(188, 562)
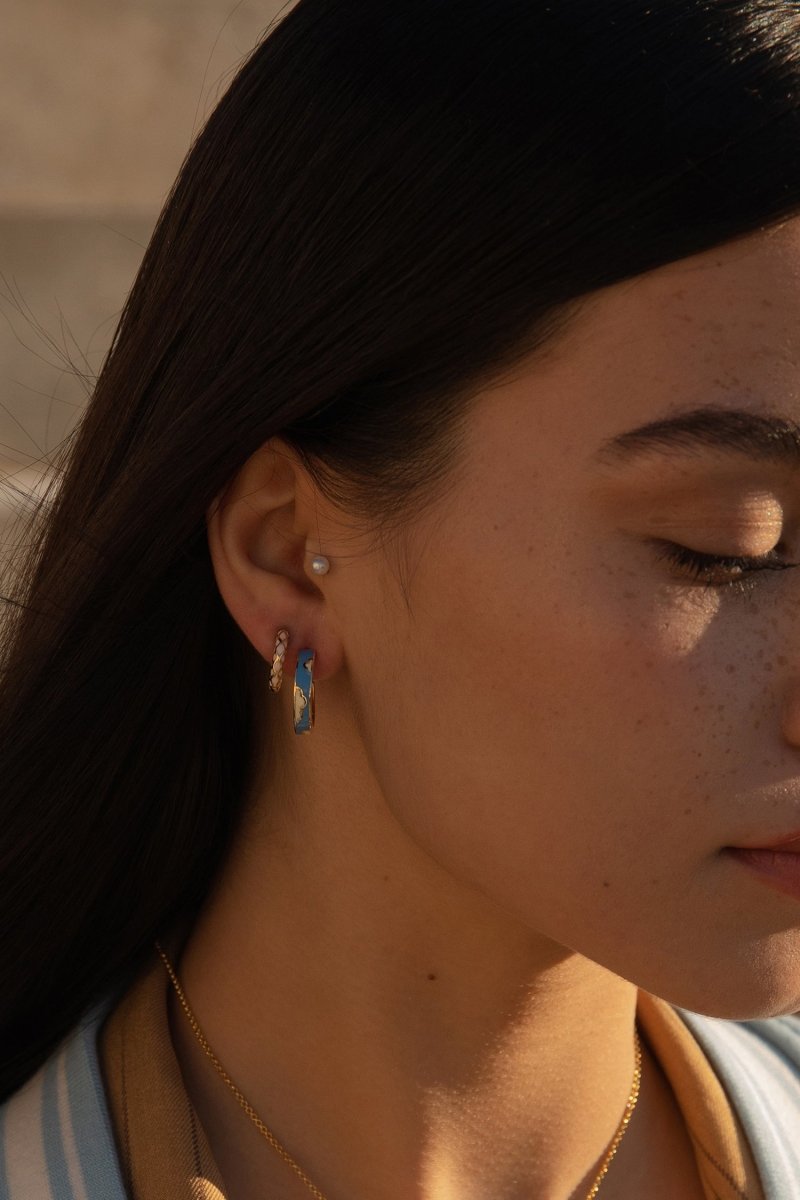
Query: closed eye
point(717, 570)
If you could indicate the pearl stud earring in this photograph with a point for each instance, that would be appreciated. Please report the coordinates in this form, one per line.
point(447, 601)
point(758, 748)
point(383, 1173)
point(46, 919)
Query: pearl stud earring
point(320, 565)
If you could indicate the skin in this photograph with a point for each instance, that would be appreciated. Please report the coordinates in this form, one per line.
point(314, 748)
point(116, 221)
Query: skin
point(421, 959)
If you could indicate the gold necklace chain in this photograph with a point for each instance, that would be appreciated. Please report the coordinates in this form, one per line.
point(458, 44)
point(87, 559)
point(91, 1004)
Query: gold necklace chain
point(298, 1170)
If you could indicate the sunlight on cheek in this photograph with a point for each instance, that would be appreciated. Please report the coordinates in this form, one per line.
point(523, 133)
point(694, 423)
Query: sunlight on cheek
point(683, 618)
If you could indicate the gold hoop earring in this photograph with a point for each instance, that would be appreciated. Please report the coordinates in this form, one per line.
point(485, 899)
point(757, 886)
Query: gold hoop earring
point(276, 674)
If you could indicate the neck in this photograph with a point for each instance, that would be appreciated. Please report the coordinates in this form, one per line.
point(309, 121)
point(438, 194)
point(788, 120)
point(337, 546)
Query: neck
point(400, 1035)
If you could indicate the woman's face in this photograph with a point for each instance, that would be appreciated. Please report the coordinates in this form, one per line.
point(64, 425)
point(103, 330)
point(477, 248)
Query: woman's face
point(561, 717)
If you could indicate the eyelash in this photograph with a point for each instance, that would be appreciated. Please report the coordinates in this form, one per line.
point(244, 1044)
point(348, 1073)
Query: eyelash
point(700, 567)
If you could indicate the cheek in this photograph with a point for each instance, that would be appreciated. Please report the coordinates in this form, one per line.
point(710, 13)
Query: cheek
point(511, 742)
point(562, 755)
point(538, 734)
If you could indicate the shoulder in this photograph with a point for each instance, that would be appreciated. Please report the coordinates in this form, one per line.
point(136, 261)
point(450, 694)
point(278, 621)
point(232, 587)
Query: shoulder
point(758, 1063)
point(56, 1137)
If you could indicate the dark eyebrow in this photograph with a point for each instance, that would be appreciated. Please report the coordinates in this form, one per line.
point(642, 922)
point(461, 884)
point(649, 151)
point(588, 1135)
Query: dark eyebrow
point(732, 430)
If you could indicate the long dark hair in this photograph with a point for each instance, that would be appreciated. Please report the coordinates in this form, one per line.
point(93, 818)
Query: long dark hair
point(391, 205)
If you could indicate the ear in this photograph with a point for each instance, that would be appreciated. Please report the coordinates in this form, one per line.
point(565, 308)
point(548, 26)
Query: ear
point(263, 531)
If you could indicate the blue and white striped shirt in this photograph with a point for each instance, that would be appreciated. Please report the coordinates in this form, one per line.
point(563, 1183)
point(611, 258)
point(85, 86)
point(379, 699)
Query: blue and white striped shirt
point(57, 1139)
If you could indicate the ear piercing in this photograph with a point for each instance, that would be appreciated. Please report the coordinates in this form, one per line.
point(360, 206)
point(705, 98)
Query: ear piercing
point(303, 699)
point(276, 674)
point(303, 707)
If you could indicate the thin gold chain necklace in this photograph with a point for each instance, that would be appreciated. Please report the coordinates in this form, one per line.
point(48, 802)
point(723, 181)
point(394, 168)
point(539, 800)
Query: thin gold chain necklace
point(298, 1170)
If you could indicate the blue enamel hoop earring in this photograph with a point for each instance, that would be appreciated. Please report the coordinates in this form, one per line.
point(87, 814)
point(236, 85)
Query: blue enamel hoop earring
point(304, 692)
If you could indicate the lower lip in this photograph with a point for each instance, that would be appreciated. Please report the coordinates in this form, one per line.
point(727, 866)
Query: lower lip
point(777, 869)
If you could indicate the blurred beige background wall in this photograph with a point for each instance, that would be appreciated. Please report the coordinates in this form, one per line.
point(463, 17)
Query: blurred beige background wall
point(99, 100)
